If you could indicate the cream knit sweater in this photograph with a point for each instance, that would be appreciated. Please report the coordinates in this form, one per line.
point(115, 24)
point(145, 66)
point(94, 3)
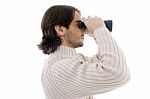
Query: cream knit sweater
point(69, 75)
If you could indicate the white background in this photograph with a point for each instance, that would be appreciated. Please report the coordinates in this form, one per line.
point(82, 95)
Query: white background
point(21, 62)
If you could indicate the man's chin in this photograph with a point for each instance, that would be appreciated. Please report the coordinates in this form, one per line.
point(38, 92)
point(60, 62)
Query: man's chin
point(78, 45)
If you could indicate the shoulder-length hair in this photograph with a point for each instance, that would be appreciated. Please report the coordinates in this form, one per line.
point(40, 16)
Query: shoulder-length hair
point(55, 15)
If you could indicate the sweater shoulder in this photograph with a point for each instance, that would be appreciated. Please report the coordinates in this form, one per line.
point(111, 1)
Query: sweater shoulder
point(58, 60)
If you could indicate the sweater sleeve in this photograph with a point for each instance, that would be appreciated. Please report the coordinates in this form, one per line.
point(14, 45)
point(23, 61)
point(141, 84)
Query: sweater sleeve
point(81, 76)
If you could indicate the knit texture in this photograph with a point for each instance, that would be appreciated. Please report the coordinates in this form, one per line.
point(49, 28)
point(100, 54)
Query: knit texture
point(70, 75)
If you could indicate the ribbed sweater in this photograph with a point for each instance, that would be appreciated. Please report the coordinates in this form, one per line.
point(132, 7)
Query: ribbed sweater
point(70, 75)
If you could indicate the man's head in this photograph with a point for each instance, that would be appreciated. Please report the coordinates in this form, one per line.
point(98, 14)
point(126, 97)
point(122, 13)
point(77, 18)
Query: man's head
point(60, 27)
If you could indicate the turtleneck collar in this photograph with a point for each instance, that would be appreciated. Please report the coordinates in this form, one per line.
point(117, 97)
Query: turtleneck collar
point(64, 51)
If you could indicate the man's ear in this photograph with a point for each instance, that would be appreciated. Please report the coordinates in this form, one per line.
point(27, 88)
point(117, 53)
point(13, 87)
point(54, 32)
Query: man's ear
point(60, 30)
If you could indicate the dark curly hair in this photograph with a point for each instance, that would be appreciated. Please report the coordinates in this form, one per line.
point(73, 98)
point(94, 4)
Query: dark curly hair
point(55, 15)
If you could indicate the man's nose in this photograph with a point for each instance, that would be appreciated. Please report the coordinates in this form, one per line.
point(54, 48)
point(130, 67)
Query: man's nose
point(84, 31)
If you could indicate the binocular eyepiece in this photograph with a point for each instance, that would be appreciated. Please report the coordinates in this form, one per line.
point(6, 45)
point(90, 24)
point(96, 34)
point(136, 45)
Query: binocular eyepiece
point(108, 24)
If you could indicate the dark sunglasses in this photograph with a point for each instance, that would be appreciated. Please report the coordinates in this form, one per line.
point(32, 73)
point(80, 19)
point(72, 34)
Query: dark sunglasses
point(108, 24)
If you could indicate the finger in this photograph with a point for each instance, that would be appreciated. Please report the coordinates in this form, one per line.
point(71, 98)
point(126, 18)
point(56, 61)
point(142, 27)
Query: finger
point(84, 19)
point(95, 16)
point(89, 17)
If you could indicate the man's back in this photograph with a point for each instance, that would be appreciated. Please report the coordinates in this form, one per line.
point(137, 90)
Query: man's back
point(52, 70)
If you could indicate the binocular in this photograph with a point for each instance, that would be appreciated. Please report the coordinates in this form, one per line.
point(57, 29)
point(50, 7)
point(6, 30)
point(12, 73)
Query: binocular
point(108, 24)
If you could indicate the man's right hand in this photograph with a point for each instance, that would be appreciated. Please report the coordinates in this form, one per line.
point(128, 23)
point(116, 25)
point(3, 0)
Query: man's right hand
point(92, 24)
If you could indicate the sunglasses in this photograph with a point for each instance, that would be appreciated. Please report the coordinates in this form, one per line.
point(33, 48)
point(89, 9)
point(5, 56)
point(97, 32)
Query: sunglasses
point(108, 24)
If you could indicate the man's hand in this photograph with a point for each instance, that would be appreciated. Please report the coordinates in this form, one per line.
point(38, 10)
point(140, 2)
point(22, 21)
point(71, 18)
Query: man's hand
point(92, 24)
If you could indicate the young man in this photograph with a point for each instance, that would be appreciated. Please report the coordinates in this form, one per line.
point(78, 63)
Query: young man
point(69, 75)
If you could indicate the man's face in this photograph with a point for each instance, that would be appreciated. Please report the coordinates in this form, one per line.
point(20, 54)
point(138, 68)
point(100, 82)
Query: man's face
point(74, 36)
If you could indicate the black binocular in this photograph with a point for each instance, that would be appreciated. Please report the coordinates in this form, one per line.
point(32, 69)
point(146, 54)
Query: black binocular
point(108, 24)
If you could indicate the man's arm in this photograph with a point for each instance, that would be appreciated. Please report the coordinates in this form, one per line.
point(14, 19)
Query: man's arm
point(81, 77)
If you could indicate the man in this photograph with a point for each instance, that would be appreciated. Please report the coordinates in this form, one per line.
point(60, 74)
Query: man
point(69, 75)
